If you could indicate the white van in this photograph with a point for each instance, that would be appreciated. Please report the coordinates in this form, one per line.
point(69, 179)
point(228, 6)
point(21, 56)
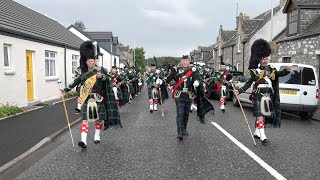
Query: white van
point(299, 90)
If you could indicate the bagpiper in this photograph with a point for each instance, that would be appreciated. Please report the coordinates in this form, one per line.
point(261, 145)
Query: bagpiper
point(265, 95)
point(153, 82)
point(96, 95)
point(222, 77)
point(116, 84)
point(185, 90)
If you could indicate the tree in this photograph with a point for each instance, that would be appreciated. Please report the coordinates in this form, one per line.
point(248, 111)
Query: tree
point(140, 61)
point(80, 25)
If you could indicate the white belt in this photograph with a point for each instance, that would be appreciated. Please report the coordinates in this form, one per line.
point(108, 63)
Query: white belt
point(264, 86)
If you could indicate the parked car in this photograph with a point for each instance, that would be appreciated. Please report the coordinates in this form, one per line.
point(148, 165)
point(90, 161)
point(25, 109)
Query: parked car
point(212, 91)
point(299, 90)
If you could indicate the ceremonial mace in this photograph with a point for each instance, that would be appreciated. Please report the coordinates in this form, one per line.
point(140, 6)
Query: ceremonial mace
point(65, 111)
point(245, 117)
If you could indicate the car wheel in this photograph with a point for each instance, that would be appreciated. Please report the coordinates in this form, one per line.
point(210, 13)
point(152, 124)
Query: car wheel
point(306, 115)
point(235, 101)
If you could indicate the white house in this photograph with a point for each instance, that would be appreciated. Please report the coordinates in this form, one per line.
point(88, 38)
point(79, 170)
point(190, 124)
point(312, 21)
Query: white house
point(35, 52)
point(105, 59)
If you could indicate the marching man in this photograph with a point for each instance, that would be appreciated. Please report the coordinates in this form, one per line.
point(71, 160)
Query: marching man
point(153, 83)
point(96, 94)
point(266, 98)
point(222, 77)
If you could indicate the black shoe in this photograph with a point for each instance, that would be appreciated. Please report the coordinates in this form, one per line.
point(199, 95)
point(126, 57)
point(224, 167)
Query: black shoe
point(151, 111)
point(255, 136)
point(265, 142)
point(223, 110)
point(190, 111)
point(156, 110)
point(97, 141)
point(82, 144)
point(185, 133)
point(77, 111)
point(180, 137)
point(202, 121)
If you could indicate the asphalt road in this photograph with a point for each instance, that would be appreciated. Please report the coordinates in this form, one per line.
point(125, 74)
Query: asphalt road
point(20, 133)
point(147, 148)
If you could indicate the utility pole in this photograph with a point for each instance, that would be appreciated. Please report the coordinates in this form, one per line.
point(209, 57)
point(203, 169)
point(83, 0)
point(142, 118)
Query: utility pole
point(271, 31)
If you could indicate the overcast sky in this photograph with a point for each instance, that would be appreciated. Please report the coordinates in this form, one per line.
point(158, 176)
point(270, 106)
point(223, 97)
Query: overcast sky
point(162, 27)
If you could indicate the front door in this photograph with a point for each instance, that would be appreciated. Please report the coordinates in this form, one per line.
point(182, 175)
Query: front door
point(29, 76)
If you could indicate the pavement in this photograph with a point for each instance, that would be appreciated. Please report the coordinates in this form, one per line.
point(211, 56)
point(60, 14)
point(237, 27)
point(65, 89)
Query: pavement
point(21, 132)
point(147, 148)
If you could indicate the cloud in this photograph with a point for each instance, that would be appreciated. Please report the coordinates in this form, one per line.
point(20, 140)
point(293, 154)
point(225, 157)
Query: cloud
point(173, 14)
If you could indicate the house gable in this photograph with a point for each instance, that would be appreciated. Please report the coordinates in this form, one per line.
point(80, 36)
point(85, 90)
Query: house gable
point(19, 21)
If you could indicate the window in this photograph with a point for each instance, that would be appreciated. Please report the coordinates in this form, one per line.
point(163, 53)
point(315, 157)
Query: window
point(286, 59)
point(75, 63)
point(239, 42)
point(7, 56)
point(246, 77)
point(50, 63)
point(238, 66)
point(293, 22)
point(299, 75)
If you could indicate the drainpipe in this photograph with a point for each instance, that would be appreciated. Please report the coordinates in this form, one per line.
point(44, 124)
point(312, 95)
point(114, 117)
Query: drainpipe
point(232, 55)
point(65, 66)
point(243, 44)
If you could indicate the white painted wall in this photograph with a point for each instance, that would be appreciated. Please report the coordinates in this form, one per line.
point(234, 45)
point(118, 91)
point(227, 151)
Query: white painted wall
point(15, 85)
point(106, 60)
point(279, 24)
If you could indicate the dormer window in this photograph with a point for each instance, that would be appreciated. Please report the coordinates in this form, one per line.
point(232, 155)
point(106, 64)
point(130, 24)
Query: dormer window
point(293, 22)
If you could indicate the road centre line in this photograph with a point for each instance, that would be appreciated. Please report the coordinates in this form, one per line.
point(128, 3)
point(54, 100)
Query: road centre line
point(266, 166)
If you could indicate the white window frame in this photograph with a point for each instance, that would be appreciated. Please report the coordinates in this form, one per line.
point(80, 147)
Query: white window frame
point(75, 59)
point(9, 50)
point(49, 58)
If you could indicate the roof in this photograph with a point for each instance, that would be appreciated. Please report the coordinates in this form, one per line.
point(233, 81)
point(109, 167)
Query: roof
point(100, 35)
point(226, 35)
point(231, 42)
point(313, 29)
point(81, 31)
point(265, 17)
point(302, 3)
point(248, 26)
point(307, 2)
point(18, 20)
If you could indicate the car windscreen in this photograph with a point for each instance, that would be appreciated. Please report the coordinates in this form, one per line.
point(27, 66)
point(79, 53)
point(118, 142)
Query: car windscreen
point(299, 75)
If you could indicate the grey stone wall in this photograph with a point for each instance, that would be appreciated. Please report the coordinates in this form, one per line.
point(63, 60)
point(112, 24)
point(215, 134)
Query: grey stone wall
point(237, 57)
point(304, 51)
point(307, 17)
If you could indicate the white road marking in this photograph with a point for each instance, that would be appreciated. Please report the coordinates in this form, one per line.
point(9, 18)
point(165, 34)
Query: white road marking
point(266, 166)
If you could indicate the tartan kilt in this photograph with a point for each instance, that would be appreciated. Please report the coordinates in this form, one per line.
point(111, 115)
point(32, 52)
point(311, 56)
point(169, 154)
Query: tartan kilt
point(125, 93)
point(257, 106)
point(101, 110)
point(150, 93)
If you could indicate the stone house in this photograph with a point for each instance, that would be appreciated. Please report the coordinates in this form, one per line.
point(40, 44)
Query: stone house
point(236, 48)
point(126, 55)
point(299, 42)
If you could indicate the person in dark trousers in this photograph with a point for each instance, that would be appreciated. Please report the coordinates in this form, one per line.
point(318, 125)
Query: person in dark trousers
point(184, 91)
point(265, 95)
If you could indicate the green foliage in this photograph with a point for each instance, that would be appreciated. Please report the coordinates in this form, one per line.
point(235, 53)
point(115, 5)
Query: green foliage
point(165, 60)
point(71, 94)
point(80, 25)
point(9, 110)
point(140, 60)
